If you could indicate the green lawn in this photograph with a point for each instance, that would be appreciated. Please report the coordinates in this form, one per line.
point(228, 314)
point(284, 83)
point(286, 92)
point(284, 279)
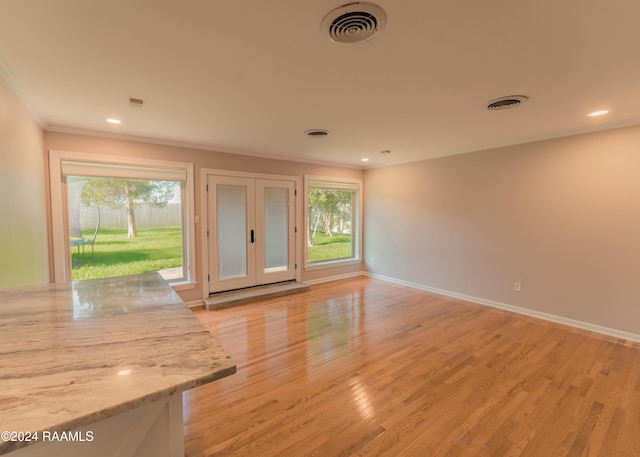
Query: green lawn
point(159, 248)
point(116, 255)
point(329, 248)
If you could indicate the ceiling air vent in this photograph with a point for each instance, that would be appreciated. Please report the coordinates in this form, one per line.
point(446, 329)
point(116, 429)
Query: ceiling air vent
point(317, 133)
point(354, 23)
point(136, 102)
point(506, 102)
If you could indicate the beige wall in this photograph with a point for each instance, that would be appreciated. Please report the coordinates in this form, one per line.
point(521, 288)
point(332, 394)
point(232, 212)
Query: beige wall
point(23, 221)
point(202, 159)
point(561, 216)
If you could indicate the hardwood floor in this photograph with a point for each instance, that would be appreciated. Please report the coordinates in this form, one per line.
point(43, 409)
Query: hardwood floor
point(367, 368)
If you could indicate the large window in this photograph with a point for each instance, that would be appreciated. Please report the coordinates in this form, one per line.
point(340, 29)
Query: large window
point(118, 217)
point(333, 229)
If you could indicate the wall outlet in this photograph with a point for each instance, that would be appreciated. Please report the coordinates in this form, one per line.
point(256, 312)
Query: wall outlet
point(517, 286)
point(373, 260)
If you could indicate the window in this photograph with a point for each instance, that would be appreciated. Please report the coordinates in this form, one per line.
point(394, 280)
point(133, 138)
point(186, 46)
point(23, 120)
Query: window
point(333, 229)
point(120, 216)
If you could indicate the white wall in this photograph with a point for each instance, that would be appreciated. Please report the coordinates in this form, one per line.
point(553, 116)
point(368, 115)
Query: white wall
point(23, 218)
point(561, 216)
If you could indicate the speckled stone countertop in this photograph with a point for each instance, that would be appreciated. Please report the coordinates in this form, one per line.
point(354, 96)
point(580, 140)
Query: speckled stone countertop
point(73, 354)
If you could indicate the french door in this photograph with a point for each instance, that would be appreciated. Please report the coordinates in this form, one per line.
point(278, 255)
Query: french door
point(251, 226)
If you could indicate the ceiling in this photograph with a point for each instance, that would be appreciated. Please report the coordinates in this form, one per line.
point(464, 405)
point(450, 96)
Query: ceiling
point(251, 76)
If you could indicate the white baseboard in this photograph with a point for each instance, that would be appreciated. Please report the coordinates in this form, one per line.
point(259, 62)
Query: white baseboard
point(515, 309)
point(335, 278)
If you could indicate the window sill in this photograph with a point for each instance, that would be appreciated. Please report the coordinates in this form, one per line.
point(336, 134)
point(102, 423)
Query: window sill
point(331, 264)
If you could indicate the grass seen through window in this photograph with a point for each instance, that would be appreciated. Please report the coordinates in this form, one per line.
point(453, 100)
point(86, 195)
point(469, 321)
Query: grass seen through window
point(337, 246)
point(114, 254)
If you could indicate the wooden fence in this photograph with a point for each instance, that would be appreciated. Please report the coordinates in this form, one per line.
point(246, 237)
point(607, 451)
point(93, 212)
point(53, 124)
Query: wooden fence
point(147, 216)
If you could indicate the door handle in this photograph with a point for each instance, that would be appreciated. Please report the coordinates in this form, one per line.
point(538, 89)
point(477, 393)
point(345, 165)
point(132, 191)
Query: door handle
point(253, 238)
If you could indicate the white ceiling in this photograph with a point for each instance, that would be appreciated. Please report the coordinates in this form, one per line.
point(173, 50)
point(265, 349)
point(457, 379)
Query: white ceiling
point(250, 76)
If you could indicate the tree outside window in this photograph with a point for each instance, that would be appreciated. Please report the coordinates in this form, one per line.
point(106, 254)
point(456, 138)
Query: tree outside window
point(332, 222)
point(129, 193)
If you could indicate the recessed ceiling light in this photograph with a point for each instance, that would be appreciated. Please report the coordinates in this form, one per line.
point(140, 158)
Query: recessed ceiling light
point(365, 159)
point(114, 121)
point(598, 113)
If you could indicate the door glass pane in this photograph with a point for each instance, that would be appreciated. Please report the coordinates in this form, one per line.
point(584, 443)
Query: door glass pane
point(231, 204)
point(276, 222)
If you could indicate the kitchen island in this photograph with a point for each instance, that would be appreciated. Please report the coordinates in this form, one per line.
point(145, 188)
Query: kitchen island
point(98, 368)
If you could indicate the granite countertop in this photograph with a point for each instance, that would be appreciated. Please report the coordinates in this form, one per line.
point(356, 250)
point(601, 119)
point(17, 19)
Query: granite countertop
point(76, 353)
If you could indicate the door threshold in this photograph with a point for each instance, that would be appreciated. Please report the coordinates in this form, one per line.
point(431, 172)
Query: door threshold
point(241, 296)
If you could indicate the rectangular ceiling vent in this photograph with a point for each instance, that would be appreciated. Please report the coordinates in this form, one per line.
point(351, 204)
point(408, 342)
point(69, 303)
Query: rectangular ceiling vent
point(136, 102)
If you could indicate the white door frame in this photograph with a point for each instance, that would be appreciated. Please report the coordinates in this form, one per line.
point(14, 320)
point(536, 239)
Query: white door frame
point(204, 174)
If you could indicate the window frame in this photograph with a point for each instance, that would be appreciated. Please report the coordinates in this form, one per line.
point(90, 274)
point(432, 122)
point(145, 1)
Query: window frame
point(333, 183)
point(57, 186)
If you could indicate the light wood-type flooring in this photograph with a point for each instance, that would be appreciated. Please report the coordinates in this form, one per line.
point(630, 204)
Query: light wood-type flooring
point(367, 368)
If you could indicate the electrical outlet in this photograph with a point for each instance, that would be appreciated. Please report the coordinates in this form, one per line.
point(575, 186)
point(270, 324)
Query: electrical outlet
point(373, 260)
point(517, 286)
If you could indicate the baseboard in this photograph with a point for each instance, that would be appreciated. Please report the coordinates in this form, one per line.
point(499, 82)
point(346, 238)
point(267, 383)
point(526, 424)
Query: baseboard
point(335, 278)
point(194, 303)
point(516, 309)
